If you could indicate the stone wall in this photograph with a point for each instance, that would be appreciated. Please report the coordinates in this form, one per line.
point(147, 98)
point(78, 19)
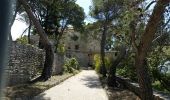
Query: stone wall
point(25, 61)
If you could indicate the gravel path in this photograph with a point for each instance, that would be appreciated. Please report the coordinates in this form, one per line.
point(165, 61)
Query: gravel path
point(83, 86)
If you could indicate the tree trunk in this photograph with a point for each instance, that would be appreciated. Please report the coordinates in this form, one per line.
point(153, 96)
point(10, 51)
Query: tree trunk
point(143, 78)
point(103, 42)
point(144, 45)
point(46, 43)
point(115, 63)
point(29, 32)
point(47, 71)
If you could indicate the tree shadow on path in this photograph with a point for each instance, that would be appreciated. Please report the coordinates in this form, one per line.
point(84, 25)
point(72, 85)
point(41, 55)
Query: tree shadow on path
point(91, 82)
point(41, 97)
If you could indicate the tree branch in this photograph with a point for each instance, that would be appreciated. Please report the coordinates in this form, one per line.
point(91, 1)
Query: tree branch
point(133, 32)
point(166, 23)
point(35, 21)
point(152, 25)
point(147, 7)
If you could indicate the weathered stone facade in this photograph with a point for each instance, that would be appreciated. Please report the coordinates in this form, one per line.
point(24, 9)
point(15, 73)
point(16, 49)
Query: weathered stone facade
point(25, 61)
point(82, 48)
point(82, 57)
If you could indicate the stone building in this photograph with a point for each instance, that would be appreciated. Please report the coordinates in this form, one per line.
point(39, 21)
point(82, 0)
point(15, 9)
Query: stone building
point(76, 45)
point(82, 48)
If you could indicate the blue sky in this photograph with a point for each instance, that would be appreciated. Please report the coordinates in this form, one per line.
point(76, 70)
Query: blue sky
point(85, 4)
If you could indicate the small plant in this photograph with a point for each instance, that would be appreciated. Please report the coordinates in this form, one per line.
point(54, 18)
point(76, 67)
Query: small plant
point(97, 62)
point(157, 85)
point(71, 65)
point(61, 49)
point(23, 40)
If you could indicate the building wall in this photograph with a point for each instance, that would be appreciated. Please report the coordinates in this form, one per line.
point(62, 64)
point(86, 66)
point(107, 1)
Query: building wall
point(88, 47)
point(82, 57)
point(25, 61)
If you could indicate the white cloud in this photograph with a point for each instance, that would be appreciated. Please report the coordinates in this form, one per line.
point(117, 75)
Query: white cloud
point(17, 29)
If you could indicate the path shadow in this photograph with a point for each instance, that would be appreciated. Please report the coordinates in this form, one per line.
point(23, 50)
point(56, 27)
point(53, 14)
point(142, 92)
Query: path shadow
point(41, 97)
point(120, 94)
point(92, 82)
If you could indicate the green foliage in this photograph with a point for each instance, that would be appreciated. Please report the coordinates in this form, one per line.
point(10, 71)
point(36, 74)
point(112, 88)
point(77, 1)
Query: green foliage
point(126, 68)
point(106, 10)
point(23, 40)
point(71, 65)
point(61, 49)
point(108, 62)
point(158, 86)
point(97, 62)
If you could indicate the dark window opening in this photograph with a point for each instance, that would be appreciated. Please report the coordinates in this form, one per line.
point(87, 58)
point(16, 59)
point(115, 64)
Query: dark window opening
point(115, 53)
point(76, 47)
point(68, 55)
point(69, 48)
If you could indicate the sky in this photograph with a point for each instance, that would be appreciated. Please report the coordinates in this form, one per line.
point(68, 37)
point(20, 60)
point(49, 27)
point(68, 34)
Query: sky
point(19, 26)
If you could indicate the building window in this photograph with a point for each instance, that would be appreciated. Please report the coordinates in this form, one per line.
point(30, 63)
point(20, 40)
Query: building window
point(76, 47)
point(115, 53)
point(69, 48)
point(68, 55)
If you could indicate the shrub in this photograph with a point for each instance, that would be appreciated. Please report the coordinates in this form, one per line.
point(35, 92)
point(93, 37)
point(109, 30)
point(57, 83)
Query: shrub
point(157, 85)
point(126, 67)
point(61, 48)
point(23, 40)
point(97, 62)
point(71, 65)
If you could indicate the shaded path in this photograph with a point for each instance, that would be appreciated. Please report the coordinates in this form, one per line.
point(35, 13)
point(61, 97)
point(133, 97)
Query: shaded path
point(84, 86)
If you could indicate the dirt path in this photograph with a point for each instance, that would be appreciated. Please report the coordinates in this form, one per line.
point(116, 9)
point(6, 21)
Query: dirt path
point(84, 86)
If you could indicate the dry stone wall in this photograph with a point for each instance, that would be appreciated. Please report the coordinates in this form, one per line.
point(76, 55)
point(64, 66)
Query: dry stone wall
point(25, 62)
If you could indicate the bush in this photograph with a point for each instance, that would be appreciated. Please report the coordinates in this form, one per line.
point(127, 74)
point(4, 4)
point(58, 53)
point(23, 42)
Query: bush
point(157, 85)
point(61, 48)
point(97, 62)
point(23, 40)
point(71, 65)
point(126, 67)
